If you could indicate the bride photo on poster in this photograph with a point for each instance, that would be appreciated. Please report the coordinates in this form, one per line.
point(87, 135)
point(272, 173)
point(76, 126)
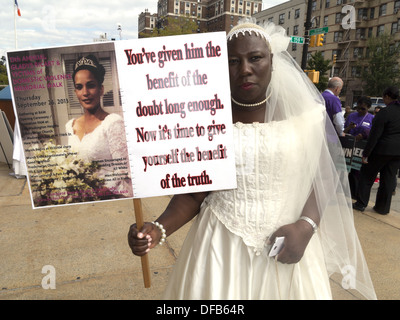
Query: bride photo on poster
point(72, 124)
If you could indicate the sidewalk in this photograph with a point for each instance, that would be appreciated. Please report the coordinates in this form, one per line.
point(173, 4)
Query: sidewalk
point(87, 246)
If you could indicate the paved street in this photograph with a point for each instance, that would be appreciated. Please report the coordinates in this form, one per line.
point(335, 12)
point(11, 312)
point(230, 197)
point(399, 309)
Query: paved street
point(86, 247)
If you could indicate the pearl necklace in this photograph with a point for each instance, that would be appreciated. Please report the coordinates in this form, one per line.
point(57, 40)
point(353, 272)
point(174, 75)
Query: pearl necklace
point(249, 105)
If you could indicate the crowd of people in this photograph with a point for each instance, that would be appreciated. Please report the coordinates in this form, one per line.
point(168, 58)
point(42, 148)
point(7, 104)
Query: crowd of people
point(381, 154)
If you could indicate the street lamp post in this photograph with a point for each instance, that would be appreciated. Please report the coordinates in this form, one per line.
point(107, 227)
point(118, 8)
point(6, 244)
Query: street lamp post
point(307, 26)
point(120, 31)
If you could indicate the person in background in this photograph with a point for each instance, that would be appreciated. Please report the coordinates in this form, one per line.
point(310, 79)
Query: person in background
point(347, 112)
point(381, 154)
point(333, 104)
point(358, 124)
point(377, 109)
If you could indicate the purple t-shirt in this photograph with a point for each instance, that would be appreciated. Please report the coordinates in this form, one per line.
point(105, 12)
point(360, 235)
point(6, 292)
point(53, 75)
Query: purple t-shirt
point(332, 103)
point(363, 123)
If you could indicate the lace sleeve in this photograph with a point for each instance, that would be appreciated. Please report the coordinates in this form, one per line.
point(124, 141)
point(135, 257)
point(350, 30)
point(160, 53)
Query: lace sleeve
point(116, 137)
point(119, 151)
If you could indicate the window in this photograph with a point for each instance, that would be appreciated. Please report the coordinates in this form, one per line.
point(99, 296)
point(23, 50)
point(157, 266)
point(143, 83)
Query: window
point(372, 13)
point(396, 6)
point(358, 52)
point(382, 10)
point(336, 71)
point(295, 30)
point(282, 18)
point(362, 14)
point(338, 36)
point(294, 46)
point(297, 13)
point(360, 34)
point(338, 18)
point(325, 21)
point(394, 27)
point(355, 72)
point(327, 3)
point(380, 30)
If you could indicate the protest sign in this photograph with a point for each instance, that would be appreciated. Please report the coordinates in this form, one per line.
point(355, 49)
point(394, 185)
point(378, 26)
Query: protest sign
point(347, 143)
point(166, 126)
point(359, 147)
point(352, 150)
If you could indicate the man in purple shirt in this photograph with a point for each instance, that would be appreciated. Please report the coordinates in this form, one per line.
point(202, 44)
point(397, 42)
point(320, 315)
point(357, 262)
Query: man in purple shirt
point(333, 104)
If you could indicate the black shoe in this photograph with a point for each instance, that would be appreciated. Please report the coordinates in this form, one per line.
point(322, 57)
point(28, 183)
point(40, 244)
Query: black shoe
point(358, 207)
point(374, 208)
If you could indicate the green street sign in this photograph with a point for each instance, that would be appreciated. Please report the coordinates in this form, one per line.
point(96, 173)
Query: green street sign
point(313, 32)
point(299, 40)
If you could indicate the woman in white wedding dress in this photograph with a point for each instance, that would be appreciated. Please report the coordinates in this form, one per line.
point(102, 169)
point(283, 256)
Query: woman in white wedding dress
point(98, 135)
point(289, 184)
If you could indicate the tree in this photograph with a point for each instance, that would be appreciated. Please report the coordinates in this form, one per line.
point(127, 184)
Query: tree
point(174, 26)
point(380, 67)
point(3, 71)
point(318, 63)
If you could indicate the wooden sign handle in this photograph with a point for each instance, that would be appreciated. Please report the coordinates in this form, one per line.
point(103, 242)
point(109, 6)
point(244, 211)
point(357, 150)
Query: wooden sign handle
point(137, 204)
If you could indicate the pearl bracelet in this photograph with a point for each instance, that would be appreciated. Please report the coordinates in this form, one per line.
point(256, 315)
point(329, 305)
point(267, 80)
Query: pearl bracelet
point(163, 235)
point(311, 222)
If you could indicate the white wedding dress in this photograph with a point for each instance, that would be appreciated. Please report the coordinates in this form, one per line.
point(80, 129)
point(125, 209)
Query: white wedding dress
point(225, 254)
point(107, 145)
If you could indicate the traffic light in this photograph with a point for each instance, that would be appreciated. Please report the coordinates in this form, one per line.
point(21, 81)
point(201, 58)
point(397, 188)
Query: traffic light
point(320, 40)
point(334, 58)
point(312, 41)
point(313, 75)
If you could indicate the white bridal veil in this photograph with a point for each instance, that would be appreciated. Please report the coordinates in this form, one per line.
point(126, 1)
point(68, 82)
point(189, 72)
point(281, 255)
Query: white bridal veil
point(295, 99)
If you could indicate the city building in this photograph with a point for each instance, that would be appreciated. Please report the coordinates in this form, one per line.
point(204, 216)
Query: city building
point(350, 24)
point(210, 15)
point(101, 38)
point(291, 15)
point(147, 22)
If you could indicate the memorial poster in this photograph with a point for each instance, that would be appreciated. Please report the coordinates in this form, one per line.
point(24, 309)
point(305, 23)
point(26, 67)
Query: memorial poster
point(125, 119)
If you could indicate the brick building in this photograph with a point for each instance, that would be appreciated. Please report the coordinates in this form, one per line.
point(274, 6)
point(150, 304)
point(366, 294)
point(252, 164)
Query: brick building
point(210, 15)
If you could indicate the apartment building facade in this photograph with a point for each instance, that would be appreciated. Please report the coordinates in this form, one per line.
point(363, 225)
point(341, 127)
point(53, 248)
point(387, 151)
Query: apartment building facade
point(350, 24)
point(210, 15)
point(291, 16)
point(147, 21)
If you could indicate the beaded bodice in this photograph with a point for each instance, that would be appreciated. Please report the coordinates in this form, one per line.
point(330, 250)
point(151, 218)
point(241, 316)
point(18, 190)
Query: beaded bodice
point(268, 163)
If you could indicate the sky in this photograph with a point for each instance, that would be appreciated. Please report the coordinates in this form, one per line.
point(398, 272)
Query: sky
point(46, 23)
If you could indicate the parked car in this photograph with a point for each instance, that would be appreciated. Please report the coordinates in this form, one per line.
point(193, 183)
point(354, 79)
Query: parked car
point(376, 101)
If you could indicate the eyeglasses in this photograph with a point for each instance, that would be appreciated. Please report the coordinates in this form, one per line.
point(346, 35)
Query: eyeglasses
point(362, 108)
